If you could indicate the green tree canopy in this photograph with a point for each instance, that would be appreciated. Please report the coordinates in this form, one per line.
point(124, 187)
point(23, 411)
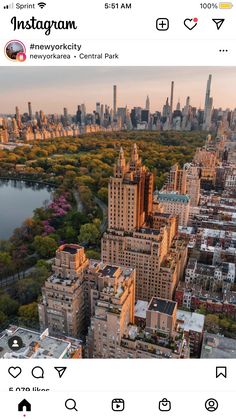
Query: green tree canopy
point(45, 246)
point(89, 233)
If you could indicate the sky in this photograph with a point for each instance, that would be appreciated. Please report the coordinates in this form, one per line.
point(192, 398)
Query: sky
point(53, 88)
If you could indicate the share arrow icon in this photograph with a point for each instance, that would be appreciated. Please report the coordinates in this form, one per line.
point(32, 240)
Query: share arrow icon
point(60, 370)
point(218, 22)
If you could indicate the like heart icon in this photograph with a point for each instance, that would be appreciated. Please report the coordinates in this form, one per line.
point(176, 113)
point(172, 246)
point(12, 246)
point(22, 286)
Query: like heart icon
point(191, 23)
point(15, 371)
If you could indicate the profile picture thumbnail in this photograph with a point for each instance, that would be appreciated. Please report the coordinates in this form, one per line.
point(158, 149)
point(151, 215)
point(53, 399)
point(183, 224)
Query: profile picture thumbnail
point(15, 50)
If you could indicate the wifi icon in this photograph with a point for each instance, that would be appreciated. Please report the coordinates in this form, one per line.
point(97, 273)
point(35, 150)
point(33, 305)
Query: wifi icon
point(41, 5)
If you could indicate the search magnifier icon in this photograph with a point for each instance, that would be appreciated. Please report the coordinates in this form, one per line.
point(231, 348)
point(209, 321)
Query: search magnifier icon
point(71, 404)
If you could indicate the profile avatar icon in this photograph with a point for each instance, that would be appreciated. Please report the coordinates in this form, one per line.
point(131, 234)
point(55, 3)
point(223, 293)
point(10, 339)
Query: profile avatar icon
point(15, 51)
point(15, 343)
point(211, 405)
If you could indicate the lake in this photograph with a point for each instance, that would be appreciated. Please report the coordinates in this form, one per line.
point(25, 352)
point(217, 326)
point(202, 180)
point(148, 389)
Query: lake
point(18, 199)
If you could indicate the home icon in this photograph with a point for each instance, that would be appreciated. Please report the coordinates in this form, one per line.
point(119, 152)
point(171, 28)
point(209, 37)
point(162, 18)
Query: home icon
point(24, 406)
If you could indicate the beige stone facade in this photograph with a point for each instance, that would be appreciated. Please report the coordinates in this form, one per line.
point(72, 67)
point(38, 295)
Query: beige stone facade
point(138, 236)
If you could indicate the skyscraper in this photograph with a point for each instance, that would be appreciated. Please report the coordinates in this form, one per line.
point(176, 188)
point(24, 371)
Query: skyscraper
point(130, 193)
point(147, 107)
point(166, 109)
point(114, 101)
point(98, 108)
point(62, 306)
point(137, 235)
point(65, 117)
point(79, 115)
point(113, 311)
point(172, 97)
point(208, 105)
point(30, 111)
point(18, 118)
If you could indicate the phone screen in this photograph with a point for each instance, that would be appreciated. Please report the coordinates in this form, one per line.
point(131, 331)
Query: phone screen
point(117, 209)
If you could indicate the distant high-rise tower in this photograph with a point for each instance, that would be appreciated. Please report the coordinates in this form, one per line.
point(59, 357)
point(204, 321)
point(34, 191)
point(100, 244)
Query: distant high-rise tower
point(83, 112)
point(208, 90)
point(98, 108)
point(114, 100)
point(30, 111)
point(79, 115)
point(147, 107)
point(172, 96)
point(208, 105)
point(166, 109)
point(18, 118)
point(65, 119)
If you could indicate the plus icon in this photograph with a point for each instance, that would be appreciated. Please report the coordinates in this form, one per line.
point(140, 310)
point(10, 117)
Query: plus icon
point(162, 24)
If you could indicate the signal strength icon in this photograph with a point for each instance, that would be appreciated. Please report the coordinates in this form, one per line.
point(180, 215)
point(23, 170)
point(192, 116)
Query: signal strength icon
point(41, 5)
point(9, 6)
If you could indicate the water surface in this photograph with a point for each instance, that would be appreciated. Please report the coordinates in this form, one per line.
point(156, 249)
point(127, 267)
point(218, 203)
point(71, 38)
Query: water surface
point(18, 199)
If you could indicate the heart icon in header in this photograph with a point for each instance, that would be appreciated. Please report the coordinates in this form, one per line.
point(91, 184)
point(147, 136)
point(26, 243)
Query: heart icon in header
point(191, 23)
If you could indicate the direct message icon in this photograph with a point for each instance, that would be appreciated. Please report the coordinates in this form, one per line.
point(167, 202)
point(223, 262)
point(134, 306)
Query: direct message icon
point(164, 405)
point(61, 371)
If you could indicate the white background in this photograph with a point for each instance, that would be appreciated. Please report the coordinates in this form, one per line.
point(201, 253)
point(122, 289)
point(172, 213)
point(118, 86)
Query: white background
point(130, 33)
point(141, 383)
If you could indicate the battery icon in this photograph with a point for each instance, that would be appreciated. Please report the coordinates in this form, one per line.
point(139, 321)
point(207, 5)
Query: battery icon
point(226, 5)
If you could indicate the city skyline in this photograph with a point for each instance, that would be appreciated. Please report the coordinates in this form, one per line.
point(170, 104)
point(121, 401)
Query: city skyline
point(67, 87)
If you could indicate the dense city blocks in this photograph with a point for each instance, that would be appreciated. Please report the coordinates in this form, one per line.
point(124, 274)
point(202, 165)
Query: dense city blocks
point(134, 253)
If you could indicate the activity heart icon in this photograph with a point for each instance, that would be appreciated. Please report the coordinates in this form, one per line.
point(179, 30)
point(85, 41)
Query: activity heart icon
point(191, 23)
point(15, 371)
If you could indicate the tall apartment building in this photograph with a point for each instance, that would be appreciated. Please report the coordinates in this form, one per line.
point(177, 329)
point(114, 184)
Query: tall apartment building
point(193, 185)
point(177, 180)
point(205, 158)
point(137, 236)
point(62, 307)
point(185, 181)
point(174, 204)
point(130, 194)
point(80, 289)
point(159, 336)
point(113, 311)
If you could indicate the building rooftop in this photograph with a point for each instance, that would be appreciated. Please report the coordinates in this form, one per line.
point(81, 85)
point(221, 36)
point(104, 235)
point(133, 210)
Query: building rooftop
point(190, 321)
point(221, 234)
point(109, 270)
point(216, 347)
point(36, 345)
point(140, 309)
point(191, 263)
point(202, 269)
point(186, 230)
point(173, 197)
point(58, 280)
point(163, 215)
point(70, 248)
point(146, 230)
point(162, 306)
